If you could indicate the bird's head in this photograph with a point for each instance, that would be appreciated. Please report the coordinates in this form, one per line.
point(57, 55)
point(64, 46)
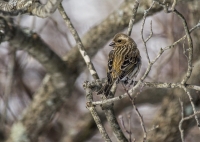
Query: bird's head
point(121, 40)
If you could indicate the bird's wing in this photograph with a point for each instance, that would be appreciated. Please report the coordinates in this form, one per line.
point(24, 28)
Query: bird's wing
point(130, 62)
point(110, 66)
point(130, 58)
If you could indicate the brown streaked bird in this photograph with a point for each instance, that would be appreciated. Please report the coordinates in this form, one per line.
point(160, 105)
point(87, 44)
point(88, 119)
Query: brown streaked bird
point(124, 62)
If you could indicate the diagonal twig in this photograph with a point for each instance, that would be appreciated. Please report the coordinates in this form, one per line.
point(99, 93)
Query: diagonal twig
point(138, 113)
point(79, 43)
point(132, 20)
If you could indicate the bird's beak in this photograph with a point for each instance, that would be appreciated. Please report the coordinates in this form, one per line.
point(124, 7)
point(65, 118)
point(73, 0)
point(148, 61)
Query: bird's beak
point(112, 44)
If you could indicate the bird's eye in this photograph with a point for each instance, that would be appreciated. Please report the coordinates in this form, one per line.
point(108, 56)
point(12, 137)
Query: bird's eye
point(119, 40)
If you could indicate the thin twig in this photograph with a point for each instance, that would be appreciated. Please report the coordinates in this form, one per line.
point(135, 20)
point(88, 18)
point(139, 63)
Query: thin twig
point(187, 32)
point(190, 44)
point(189, 117)
point(180, 123)
point(184, 50)
point(192, 104)
point(129, 118)
point(184, 119)
point(151, 33)
point(138, 113)
point(132, 20)
point(182, 38)
point(142, 31)
point(128, 132)
point(92, 71)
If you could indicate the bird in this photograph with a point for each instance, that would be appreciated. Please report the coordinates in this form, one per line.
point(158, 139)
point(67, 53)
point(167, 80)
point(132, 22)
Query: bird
point(124, 62)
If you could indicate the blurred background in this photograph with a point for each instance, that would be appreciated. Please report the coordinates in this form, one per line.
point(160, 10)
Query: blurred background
point(155, 105)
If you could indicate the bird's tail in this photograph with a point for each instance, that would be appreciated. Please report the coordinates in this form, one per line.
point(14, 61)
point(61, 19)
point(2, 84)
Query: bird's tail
point(105, 89)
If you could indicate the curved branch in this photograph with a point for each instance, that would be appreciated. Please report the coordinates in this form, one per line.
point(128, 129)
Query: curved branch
point(190, 44)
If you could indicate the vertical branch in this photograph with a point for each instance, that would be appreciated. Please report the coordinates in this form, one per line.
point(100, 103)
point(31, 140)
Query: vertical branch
point(128, 132)
point(110, 116)
point(132, 20)
point(138, 113)
point(142, 31)
point(129, 116)
point(180, 123)
point(189, 39)
point(184, 119)
point(190, 49)
point(192, 104)
point(78, 42)
point(93, 111)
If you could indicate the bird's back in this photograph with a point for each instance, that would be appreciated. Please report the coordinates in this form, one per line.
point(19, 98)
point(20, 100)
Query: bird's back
point(119, 56)
point(125, 62)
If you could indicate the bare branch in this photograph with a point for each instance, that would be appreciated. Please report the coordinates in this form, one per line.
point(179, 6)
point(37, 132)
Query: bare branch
point(148, 84)
point(110, 116)
point(79, 43)
point(189, 117)
point(93, 111)
point(132, 20)
point(109, 112)
point(190, 44)
point(184, 119)
point(142, 30)
point(138, 113)
point(128, 132)
point(151, 33)
point(114, 23)
point(180, 123)
point(192, 104)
